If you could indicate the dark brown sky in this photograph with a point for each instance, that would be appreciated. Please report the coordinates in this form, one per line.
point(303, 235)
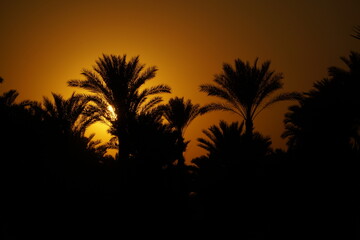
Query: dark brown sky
point(43, 44)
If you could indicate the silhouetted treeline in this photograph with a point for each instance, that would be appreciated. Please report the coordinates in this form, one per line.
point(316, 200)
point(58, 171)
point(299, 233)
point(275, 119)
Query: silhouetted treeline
point(57, 182)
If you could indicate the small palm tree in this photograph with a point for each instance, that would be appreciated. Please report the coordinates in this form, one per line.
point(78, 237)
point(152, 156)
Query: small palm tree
point(228, 142)
point(115, 84)
point(246, 90)
point(70, 115)
point(71, 118)
point(179, 114)
point(222, 141)
point(8, 98)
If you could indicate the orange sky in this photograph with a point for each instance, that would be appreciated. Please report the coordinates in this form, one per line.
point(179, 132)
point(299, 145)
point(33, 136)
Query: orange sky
point(43, 44)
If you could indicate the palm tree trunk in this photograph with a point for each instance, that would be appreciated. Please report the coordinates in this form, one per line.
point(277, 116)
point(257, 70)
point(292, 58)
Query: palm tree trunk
point(181, 160)
point(181, 149)
point(123, 149)
point(122, 153)
point(249, 127)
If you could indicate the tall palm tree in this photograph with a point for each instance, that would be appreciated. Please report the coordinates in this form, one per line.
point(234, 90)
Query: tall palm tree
point(179, 114)
point(246, 90)
point(116, 82)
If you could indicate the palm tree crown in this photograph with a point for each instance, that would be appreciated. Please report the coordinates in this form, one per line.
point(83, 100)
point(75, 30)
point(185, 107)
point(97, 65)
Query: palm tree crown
point(246, 89)
point(71, 114)
point(116, 82)
point(179, 114)
point(222, 139)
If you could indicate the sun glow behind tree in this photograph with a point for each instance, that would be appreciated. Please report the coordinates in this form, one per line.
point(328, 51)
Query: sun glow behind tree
point(112, 112)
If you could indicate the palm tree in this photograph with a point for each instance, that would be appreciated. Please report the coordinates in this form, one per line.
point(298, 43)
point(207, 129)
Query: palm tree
point(246, 90)
point(70, 115)
point(179, 114)
point(227, 175)
point(70, 118)
point(312, 124)
point(115, 84)
point(8, 98)
point(323, 132)
point(223, 142)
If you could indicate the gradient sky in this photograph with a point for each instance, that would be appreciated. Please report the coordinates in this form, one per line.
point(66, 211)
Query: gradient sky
point(43, 44)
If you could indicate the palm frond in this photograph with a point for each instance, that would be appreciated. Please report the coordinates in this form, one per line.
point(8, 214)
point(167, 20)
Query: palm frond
point(230, 97)
point(206, 109)
point(162, 88)
point(281, 97)
point(356, 32)
point(9, 97)
point(222, 107)
point(151, 104)
point(267, 87)
point(206, 144)
point(147, 75)
point(215, 91)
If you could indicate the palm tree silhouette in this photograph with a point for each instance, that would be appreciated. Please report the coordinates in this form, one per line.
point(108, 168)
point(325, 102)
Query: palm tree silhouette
point(246, 90)
point(228, 179)
point(223, 143)
point(313, 118)
point(70, 115)
point(179, 114)
point(70, 118)
point(116, 82)
point(8, 98)
point(222, 140)
point(322, 133)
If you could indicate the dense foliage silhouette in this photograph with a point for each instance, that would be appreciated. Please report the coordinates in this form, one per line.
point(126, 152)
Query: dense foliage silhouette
point(58, 182)
point(323, 139)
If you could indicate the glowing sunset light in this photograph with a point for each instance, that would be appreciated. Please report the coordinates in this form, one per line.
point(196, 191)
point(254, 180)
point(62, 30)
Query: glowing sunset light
point(46, 43)
point(112, 112)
